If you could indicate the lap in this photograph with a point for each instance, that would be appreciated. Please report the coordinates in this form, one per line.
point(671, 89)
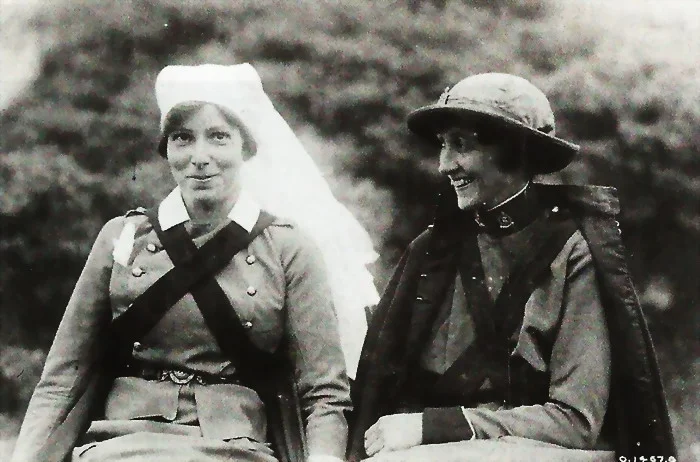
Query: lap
point(159, 447)
point(508, 449)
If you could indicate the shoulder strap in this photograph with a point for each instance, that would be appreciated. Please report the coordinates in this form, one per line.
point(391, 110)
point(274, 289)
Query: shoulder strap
point(193, 273)
point(221, 318)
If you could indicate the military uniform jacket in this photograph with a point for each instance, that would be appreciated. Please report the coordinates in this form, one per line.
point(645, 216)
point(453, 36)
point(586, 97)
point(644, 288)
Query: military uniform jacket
point(636, 408)
point(279, 290)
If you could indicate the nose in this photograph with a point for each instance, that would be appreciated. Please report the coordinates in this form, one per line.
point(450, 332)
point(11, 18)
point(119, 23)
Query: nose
point(447, 160)
point(200, 155)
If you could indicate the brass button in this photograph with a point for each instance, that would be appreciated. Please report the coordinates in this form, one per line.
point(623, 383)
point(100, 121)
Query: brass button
point(247, 324)
point(555, 209)
point(250, 259)
point(420, 299)
point(251, 291)
point(138, 346)
point(151, 247)
point(137, 271)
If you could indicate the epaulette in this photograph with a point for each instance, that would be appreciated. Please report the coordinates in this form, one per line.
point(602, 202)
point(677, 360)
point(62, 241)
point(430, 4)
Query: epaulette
point(136, 211)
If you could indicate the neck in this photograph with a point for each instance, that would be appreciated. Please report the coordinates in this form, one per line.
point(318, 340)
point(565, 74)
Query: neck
point(209, 211)
point(510, 215)
point(509, 198)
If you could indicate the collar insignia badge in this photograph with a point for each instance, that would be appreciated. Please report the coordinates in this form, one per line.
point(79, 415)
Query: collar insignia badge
point(505, 221)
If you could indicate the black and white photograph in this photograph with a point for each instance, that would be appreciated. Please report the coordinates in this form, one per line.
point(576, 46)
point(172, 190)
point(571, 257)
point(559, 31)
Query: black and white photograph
point(343, 231)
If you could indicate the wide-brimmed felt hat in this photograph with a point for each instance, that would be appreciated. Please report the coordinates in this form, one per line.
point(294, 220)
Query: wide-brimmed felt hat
point(498, 101)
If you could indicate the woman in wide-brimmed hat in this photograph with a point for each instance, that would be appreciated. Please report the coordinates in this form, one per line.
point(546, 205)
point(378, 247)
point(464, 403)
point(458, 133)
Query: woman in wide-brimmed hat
point(496, 337)
point(206, 328)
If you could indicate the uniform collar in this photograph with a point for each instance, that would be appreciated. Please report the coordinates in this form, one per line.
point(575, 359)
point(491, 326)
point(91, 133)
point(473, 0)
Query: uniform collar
point(172, 211)
point(511, 215)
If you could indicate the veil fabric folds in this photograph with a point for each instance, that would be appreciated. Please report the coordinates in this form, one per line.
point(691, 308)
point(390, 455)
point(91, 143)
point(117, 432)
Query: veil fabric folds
point(286, 182)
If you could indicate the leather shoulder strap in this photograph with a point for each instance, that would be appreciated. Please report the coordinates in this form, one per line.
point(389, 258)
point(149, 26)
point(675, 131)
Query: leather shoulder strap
point(193, 268)
point(220, 317)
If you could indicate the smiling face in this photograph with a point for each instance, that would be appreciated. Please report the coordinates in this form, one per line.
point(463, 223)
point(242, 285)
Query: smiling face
point(205, 150)
point(476, 164)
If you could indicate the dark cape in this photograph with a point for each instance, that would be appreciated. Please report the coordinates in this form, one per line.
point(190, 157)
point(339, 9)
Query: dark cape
point(637, 412)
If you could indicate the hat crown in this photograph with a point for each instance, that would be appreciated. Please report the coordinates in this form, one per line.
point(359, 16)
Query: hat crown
point(503, 95)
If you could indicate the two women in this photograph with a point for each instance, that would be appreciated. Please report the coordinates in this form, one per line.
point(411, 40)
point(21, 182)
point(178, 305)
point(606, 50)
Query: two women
point(195, 326)
point(510, 329)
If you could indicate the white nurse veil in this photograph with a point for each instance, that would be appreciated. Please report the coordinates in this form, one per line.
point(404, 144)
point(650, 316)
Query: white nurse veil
point(285, 181)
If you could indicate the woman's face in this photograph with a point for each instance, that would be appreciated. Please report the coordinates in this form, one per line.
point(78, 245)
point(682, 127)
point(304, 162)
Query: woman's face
point(205, 153)
point(471, 161)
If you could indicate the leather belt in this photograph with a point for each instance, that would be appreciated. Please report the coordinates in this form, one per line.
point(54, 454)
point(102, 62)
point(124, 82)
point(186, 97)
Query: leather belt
point(178, 376)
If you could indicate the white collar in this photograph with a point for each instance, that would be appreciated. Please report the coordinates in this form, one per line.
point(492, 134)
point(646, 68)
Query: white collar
point(172, 211)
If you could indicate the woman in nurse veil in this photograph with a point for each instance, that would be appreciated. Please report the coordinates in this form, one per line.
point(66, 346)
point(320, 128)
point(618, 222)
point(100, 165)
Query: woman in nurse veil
point(222, 324)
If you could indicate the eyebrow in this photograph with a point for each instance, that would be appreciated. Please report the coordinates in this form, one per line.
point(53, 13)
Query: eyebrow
point(221, 128)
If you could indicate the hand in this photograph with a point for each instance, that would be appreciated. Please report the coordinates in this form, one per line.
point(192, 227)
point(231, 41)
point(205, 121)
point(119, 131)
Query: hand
point(392, 432)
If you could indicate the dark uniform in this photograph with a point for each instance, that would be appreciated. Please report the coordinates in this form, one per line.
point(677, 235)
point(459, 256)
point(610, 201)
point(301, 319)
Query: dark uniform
point(556, 393)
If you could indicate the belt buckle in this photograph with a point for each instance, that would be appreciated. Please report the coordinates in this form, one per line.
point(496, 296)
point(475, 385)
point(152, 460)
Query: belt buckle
point(181, 377)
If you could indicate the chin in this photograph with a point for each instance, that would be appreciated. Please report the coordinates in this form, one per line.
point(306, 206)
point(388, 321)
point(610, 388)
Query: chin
point(205, 195)
point(466, 203)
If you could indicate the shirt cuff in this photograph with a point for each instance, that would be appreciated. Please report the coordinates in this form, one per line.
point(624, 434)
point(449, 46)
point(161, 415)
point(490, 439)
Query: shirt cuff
point(469, 421)
point(446, 424)
point(324, 458)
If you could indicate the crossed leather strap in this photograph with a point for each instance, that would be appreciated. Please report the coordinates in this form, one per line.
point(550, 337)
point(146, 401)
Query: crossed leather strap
point(193, 272)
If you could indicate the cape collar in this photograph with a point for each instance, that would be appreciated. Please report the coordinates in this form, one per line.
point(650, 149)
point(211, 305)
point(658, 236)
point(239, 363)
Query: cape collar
point(172, 211)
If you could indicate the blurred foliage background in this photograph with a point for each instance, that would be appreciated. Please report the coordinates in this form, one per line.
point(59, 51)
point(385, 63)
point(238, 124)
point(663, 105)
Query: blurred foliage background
point(77, 145)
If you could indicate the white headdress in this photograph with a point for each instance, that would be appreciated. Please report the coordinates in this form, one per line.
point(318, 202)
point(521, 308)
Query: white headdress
point(286, 182)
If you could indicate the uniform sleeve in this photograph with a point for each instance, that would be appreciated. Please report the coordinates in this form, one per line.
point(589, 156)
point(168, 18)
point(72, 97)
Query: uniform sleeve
point(74, 348)
point(579, 384)
point(312, 331)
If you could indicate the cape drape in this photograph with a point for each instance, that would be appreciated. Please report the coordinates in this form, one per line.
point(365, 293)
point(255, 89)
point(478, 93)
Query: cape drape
point(637, 406)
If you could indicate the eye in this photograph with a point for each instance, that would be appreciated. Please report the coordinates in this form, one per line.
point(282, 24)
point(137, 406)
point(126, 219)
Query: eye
point(461, 143)
point(220, 135)
point(180, 137)
point(465, 142)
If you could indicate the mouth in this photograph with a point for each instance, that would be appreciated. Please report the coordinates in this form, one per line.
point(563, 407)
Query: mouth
point(201, 177)
point(461, 182)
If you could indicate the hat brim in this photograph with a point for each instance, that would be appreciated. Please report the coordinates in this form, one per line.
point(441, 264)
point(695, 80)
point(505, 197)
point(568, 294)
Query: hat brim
point(547, 153)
